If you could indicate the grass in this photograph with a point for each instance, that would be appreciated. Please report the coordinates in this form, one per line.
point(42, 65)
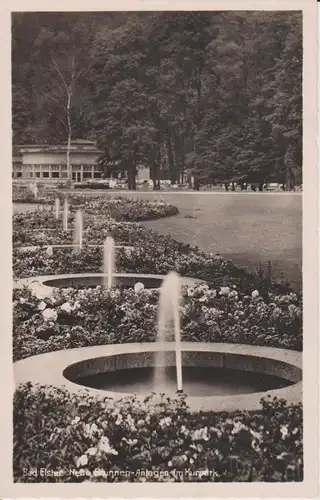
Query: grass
point(251, 229)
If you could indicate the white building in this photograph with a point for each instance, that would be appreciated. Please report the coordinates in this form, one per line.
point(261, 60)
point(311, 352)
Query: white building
point(48, 163)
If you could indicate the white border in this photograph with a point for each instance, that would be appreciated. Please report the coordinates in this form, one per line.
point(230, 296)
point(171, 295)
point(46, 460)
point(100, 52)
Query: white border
point(309, 487)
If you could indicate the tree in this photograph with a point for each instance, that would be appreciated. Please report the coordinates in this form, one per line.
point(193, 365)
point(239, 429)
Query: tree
point(62, 89)
point(216, 94)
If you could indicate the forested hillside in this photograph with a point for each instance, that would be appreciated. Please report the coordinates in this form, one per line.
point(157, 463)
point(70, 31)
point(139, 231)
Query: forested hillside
point(218, 94)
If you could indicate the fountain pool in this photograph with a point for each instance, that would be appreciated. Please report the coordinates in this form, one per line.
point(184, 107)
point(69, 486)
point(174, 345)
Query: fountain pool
point(90, 280)
point(225, 377)
point(197, 381)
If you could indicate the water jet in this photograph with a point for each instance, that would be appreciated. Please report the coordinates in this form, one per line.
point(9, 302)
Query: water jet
point(65, 214)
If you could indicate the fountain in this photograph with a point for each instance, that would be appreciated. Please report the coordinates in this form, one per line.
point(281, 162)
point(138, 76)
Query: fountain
point(33, 189)
point(65, 214)
point(78, 230)
point(217, 376)
point(57, 208)
point(109, 278)
point(108, 261)
point(169, 314)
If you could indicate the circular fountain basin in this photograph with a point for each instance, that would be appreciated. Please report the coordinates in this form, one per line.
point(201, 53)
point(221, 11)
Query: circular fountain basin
point(44, 285)
point(218, 377)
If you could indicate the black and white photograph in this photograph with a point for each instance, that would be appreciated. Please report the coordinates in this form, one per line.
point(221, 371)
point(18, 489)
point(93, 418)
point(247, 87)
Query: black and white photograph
point(158, 182)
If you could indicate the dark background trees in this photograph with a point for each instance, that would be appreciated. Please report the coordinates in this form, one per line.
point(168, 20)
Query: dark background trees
point(213, 94)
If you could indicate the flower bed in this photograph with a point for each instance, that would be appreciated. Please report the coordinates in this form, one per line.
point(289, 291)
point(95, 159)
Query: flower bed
point(96, 230)
point(117, 208)
point(23, 194)
point(64, 431)
point(78, 318)
point(154, 253)
point(85, 439)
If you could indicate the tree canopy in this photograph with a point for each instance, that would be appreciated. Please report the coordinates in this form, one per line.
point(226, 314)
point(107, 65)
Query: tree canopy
point(213, 94)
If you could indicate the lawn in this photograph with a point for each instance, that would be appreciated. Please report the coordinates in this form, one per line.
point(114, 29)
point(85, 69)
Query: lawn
point(249, 228)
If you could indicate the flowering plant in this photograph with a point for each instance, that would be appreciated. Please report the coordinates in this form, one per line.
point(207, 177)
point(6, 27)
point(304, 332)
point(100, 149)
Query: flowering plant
point(79, 318)
point(88, 439)
point(108, 207)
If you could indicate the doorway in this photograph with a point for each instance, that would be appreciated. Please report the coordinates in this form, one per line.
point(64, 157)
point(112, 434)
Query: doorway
point(76, 176)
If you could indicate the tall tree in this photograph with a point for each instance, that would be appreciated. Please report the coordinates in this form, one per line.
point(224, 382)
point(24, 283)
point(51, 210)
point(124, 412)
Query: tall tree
point(217, 94)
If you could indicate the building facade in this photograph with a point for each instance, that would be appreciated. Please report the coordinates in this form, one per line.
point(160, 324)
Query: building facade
point(48, 163)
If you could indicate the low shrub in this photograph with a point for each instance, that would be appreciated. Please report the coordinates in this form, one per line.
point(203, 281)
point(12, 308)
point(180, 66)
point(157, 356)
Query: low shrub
point(82, 438)
point(153, 253)
point(78, 318)
point(117, 208)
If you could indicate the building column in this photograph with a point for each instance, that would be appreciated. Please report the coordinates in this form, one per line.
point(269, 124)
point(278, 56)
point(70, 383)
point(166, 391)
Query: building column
point(81, 174)
point(92, 172)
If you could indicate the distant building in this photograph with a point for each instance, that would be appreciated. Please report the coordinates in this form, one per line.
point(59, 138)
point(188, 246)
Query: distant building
point(143, 173)
point(48, 163)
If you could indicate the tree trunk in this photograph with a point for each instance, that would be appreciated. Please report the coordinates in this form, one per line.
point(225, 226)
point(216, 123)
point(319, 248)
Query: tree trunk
point(173, 176)
point(69, 168)
point(288, 178)
point(177, 158)
point(129, 172)
point(153, 176)
point(199, 96)
point(182, 160)
point(156, 169)
point(134, 175)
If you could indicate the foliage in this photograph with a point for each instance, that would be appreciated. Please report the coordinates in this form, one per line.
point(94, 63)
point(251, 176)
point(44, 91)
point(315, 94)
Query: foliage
point(103, 209)
point(216, 94)
point(78, 318)
point(87, 439)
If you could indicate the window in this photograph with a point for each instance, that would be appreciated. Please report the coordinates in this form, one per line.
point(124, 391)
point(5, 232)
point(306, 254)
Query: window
point(55, 175)
point(54, 168)
point(45, 175)
point(87, 175)
point(19, 174)
point(64, 175)
point(97, 175)
point(37, 174)
point(87, 168)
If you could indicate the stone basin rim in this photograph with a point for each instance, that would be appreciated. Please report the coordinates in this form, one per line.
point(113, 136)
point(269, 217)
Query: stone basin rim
point(49, 369)
point(42, 282)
